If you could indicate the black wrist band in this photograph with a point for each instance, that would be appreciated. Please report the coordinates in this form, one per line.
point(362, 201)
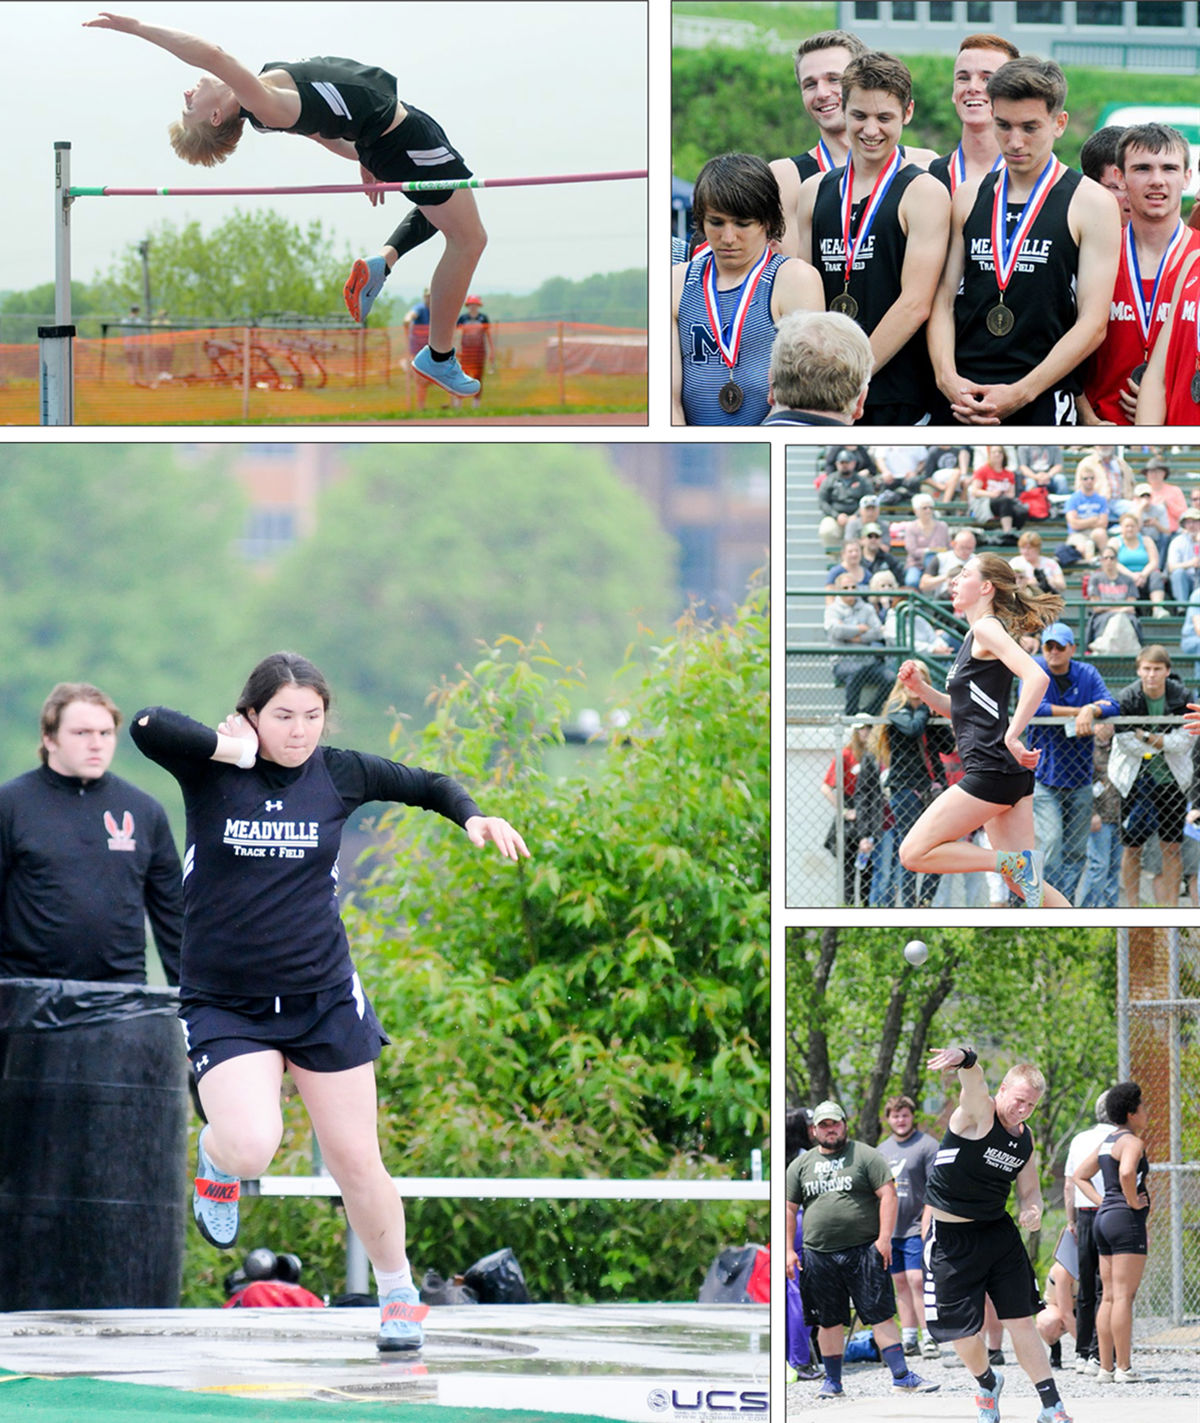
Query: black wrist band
point(969, 1058)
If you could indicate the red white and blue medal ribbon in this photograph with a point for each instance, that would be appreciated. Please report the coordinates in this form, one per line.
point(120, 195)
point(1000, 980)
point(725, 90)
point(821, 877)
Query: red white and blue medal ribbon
point(825, 163)
point(1144, 308)
point(1005, 249)
point(728, 345)
point(873, 204)
point(958, 167)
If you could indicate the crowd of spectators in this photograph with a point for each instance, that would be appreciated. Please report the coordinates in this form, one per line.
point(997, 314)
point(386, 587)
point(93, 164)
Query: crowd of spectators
point(1106, 528)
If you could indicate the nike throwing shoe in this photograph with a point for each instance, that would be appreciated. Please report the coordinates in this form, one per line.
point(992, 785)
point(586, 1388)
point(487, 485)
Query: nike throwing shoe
point(367, 277)
point(914, 1383)
point(989, 1403)
point(448, 374)
point(215, 1200)
point(1057, 1414)
point(400, 1316)
point(1022, 872)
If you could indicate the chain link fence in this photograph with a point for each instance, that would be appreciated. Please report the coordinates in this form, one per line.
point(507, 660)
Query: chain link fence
point(1158, 1046)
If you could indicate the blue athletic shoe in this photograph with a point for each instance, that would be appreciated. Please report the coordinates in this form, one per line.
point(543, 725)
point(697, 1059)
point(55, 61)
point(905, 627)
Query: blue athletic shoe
point(1057, 1414)
point(215, 1200)
point(989, 1403)
point(366, 280)
point(400, 1316)
point(448, 374)
point(914, 1383)
point(1022, 872)
point(829, 1389)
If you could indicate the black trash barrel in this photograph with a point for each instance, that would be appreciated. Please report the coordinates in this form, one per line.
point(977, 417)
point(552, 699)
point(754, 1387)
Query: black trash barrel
point(93, 1145)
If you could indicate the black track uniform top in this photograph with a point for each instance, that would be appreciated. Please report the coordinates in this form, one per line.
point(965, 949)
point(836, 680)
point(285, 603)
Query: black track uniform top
point(907, 379)
point(82, 863)
point(972, 1178)
point(806, 165)
point(260, 869)
point(1110, 1171)
point(339, 98)
point(1041, 294)
point(979, 689)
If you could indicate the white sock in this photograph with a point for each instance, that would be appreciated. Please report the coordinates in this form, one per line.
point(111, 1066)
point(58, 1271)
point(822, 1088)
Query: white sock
point(910, 1336)
point(387, 1281)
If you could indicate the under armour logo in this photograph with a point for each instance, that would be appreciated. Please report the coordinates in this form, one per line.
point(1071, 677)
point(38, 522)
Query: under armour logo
point(202, 1063)
point(120, 837)
point(274, 805)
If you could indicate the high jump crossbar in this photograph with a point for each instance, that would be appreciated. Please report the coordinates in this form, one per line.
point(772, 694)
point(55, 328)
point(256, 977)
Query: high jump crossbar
point(55, 351)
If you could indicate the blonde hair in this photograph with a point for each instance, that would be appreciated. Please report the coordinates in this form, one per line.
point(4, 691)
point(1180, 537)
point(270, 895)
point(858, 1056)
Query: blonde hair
point(881, 744)
point(206, 145)
point(1029, 1074)
point(1020, 607)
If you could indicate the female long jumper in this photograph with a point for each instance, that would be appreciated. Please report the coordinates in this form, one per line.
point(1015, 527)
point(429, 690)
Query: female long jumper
point(353, 110)
point(996, 793)
point(266, 981)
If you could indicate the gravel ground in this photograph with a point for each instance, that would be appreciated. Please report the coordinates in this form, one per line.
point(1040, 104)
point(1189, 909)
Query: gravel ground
point(1176, 1374)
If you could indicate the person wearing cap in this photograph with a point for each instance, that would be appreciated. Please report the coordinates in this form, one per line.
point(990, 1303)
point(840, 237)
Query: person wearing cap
point(877, 557)
point(1156, 472)
point(1153, 517)
point(850, 1208)
point(1183, 556)
point(868, 513)
point(1062, 790)
point(1081, 1215)
point(838, 497)
point(478, 348)
point(974, 1248)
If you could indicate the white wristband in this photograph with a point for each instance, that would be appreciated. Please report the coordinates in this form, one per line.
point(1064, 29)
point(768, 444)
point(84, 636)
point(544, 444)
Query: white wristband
point(249, 753)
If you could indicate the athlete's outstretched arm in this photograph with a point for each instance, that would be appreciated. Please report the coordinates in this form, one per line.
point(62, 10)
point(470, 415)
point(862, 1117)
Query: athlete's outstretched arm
point(484, 828)
point(974, 1101)
point(911, 679)
point(267, 105)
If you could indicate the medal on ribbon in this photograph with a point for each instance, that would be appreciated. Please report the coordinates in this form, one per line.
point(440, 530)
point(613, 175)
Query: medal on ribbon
point(958, 168)
point(1005, 249)
point(731, 396)
point(1144, 309)
point(844, 302)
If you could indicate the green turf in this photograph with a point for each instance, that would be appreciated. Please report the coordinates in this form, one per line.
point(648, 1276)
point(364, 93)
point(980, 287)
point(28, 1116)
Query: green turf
point(87, 1400)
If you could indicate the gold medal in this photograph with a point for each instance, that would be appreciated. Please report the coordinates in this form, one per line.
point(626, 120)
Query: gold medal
point(730, 397)
point(845, 304)
point(1000, 320)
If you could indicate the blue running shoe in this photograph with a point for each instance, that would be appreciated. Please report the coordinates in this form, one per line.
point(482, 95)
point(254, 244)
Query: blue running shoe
point(400, 1316)
point(914, 1383)
point(367, 277)
point(1057, 1414)
point(1022, 872)
point(448, 374)
point(829, 1389)
point(989, 1403)
point(215, 1200)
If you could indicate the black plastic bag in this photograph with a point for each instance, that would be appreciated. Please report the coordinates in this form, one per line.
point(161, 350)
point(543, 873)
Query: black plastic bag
point(497, 1279)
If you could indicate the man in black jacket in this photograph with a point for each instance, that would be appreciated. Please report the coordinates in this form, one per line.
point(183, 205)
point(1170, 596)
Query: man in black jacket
point(838, 497)
point(84, 856)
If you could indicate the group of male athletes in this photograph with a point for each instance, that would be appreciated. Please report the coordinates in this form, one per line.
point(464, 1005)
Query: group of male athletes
point(995, 284)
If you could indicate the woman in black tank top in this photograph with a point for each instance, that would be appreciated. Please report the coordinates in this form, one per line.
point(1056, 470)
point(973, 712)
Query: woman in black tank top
point(1120, 1225)
point(996, 792)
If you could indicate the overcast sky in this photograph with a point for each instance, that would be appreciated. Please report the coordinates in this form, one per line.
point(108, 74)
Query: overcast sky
point(522, 89)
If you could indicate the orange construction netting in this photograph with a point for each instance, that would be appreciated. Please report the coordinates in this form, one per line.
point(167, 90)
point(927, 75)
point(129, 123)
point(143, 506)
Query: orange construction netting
point(267, 375)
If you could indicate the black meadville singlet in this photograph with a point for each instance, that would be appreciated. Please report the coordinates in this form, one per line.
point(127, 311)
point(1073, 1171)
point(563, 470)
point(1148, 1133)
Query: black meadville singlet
point(972, 1178)
point(339, 98)
point(940, 168)
point(907, 379)
point(979, 690)
point(806, 165)
point(1110, 1171)
point(1041, 294)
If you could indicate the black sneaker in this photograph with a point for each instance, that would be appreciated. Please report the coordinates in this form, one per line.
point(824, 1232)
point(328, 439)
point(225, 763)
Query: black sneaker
point(995, 1356)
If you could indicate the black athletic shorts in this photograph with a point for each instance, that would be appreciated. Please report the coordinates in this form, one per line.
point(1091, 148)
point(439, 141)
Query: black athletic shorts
point(996, 787)
point(329, 1031)
point(968, 1260)
point(835, 1278)
point(413, 151)
point(1052, 407)
point(1120, 1230)
point(1150, 807)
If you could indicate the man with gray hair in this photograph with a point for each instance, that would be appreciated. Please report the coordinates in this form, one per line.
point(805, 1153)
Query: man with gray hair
point(1081, 1216)
point(820, 367)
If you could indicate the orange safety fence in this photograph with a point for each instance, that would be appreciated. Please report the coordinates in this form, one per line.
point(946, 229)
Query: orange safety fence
point(269, 375)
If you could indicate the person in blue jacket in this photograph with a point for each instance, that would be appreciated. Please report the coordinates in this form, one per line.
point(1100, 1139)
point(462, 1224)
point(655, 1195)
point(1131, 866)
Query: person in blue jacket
point(1062, 792)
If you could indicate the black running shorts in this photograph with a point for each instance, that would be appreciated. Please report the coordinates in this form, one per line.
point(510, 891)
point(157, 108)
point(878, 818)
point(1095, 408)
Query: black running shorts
point(835, 1278)
point(963, 1262)
point(329, 1031)
point(415, 150)
point(997, 788)
point(1119, 1230)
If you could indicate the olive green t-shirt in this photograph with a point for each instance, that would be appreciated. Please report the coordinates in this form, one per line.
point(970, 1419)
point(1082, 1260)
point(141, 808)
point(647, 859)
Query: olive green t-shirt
point(837, 1193)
